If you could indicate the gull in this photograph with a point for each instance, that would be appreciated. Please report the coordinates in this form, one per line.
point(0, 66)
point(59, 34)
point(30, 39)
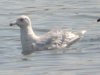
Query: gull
point(54, 39)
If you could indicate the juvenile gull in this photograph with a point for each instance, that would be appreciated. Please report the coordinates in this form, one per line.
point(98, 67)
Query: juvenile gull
point(54, 39)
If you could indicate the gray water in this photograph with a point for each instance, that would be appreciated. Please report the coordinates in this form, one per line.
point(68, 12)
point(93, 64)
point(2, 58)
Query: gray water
point(82, 58)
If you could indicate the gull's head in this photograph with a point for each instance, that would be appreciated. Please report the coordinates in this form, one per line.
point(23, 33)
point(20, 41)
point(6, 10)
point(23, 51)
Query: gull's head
point(22, 21)
point(98, 20)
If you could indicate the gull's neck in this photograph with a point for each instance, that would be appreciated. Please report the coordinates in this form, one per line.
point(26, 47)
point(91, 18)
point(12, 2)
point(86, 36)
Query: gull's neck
point(27, 32)
point(27, 38)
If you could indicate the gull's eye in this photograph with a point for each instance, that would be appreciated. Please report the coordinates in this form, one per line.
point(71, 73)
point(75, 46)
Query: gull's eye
point(21, 19)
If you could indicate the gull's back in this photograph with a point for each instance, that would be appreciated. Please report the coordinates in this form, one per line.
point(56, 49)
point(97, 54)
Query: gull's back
point(57, 38)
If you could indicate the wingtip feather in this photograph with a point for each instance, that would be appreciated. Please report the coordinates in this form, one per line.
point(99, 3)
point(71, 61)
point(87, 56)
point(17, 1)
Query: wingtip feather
point(83, 31)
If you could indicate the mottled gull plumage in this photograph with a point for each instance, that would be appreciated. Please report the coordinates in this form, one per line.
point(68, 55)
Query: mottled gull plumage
point(54, 39)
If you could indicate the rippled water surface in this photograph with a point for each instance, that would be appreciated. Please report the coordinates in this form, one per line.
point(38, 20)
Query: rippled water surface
point(82, 58)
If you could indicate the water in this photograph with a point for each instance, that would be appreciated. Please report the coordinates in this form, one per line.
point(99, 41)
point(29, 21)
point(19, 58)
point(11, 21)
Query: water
point(83, 58)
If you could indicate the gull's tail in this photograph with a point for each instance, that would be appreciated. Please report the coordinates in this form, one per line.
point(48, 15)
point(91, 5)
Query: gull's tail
point(81, 32)
point(75, 39)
